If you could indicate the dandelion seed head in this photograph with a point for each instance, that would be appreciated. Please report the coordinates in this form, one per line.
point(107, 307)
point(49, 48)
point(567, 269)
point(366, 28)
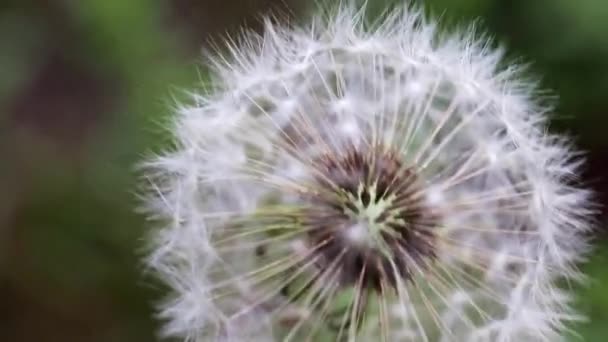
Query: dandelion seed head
point(349, 181)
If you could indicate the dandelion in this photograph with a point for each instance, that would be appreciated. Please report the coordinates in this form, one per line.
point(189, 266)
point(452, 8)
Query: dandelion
point(359, 182)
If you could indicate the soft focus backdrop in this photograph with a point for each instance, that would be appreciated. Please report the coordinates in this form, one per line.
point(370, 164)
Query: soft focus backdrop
point(85, 86)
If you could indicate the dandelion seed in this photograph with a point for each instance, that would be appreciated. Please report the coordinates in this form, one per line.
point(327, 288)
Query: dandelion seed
point(353, 182)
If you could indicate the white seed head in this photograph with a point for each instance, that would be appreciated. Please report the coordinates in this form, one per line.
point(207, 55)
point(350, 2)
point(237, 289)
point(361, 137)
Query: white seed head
point(346, 181)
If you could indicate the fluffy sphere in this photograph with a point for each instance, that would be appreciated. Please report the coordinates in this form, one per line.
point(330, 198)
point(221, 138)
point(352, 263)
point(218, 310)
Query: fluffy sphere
point(346, 181)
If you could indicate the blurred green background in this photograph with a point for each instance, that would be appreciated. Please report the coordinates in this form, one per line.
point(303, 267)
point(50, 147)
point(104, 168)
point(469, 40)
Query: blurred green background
point(85, 86)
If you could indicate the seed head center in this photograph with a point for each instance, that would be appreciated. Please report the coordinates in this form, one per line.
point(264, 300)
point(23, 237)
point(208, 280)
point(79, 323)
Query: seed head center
point(366, 215)
point(369, 218)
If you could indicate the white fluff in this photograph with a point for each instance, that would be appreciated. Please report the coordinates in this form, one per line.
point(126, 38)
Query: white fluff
point(513, 220)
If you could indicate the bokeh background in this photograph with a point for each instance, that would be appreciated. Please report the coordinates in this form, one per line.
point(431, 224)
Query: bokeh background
point(85, 86)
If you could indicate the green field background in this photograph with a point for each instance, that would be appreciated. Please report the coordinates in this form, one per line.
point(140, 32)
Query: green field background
point(85, 86)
